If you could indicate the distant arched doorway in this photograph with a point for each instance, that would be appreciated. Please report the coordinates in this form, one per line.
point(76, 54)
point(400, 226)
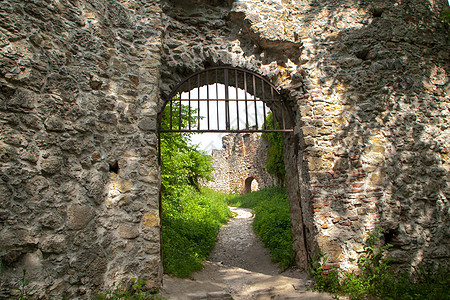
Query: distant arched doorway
point(250, 185)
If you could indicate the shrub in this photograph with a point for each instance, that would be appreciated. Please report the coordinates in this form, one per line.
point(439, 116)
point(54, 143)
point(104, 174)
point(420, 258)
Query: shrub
point(272, 221)
point(190, 224)
point(375, 278)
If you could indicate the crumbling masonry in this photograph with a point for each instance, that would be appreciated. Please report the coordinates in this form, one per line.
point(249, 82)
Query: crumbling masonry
point(240, 164)
point(82, 83)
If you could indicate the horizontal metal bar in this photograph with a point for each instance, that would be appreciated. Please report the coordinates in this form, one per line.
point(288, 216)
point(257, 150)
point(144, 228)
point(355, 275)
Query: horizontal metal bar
point(231, 99)
point(227, 131)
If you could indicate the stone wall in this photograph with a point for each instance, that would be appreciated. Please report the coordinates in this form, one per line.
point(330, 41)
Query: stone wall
point(368, 87)
point(367, 82)
point(79, 179)
point(243, 157)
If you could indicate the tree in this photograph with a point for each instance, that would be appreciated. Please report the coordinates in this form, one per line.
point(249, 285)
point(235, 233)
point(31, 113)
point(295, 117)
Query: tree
point(182, 164)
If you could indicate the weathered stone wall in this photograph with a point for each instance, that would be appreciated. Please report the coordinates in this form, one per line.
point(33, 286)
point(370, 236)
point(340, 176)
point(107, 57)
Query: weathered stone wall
point(243, 156)
point(79, 179)
point(80, 82)
point(368, 85)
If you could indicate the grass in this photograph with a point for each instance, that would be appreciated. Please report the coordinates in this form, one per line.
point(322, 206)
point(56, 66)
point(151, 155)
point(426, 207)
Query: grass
point(272, 221)
point(190, 224)
point(375, 278)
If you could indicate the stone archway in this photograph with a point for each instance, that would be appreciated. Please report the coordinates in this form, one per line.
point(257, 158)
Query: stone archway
point(250, 185)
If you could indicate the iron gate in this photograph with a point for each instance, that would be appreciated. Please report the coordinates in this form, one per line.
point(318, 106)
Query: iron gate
point(204, 102)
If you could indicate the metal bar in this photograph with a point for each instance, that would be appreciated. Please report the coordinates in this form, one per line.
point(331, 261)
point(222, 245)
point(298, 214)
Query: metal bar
point(171, 113)
point(217, 102)
point(215, 69)
point(254, 101)
point(264, 105)
point(159, 147)
point(245, 98)
point(230, 131)
point(237, 97)
point(189, 103)
point(207, 96)
point(273, 113)
point(282, 114)
point(227, 102)
point(179, 113)
point(198, 101)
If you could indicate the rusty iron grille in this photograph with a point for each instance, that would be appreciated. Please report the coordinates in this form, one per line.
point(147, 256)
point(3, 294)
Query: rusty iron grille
point(224, 99)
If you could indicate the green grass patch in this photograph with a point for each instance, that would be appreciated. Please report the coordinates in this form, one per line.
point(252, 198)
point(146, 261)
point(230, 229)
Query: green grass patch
point(272, 221)
point(375, 278)
point(190, 224)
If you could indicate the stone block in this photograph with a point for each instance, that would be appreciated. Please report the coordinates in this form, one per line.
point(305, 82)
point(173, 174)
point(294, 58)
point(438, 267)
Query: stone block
point(79, 216)
point(53, 244)
point(128, 231)
point(151, 219)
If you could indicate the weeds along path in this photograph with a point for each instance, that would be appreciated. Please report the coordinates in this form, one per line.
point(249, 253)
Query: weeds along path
point(239, 267)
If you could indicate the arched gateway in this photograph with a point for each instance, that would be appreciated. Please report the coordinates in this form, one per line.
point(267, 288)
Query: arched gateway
point(232, 100)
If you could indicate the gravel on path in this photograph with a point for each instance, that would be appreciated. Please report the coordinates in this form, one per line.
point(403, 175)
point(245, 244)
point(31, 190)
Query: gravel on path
point(239, 267)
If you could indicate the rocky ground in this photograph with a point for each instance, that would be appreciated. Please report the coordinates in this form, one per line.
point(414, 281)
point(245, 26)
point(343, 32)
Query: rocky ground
point(240, 268)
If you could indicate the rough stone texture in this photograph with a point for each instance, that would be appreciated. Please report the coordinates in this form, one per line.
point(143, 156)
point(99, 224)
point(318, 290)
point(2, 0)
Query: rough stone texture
point(80, 82)
point(79, 88)
point(241, 165)
point(369, 91)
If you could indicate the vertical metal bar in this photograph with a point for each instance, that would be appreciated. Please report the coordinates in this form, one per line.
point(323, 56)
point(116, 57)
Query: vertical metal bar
point(273, 105)
point(282, 114)
point(237, 98)
point(171, 112)
point(264, 105)
point(227, 101)
point(207, 97)
point(217, 100)
point(179, 112)
point(198, 101)
point(159, 146)
point(189, 103)
point(254, 100)
point(245, 97)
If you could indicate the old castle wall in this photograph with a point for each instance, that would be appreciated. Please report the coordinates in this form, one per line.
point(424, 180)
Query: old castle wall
point(81, 81)
point(79, 179)
point(243, 156)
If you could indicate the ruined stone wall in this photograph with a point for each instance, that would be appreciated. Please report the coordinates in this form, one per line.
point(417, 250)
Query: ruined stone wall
point(368, 86)
point(79, 179)
point(243, 156)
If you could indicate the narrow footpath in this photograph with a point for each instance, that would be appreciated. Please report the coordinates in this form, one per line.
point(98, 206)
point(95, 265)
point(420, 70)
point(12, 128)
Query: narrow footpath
point(240, 268)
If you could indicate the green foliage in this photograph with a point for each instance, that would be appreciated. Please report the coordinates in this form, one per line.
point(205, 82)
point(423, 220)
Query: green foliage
point(272, 221)
point(181, 163)
point(324, 280)
point(446, 16)
point(191, 217)
point(275, 160)
point(23, 292)
point(191, 223)
point(376, 280)
point(134, 291)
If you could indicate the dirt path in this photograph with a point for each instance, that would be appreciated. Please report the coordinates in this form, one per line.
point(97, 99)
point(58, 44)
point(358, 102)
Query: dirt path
point(238, 268)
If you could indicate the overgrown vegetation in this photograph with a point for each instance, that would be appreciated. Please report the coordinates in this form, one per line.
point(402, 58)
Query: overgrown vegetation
point(191, 217)
point(275, 158)
point(375, 278)
point(191, 222)
point(272, 221)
